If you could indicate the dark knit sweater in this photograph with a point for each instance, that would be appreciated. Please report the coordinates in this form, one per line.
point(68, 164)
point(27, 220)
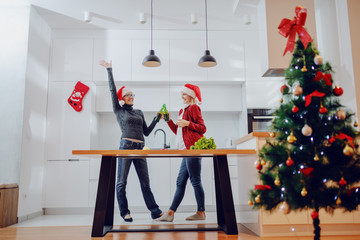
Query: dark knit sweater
point(131, 121)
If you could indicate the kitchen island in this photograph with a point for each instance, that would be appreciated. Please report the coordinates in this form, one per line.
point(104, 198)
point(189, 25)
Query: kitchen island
point(104, 206)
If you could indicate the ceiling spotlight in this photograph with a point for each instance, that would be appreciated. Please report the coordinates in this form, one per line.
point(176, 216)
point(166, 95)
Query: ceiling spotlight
point(142, 18)
point(194, 18)
point(87, 16)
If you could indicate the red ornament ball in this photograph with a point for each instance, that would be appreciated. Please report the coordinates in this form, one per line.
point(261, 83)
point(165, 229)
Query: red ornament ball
point(295, 109)
point(284, 89)
point(338, 91)
point(259, 166)
point(314, 215)
point(323, 110)
point(289, 162)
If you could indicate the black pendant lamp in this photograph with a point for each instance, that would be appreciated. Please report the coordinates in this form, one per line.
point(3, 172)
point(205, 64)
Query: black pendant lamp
point(151, 60)
point(207, 60)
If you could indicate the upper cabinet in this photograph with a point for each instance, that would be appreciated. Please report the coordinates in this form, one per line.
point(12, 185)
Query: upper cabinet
point(71, 60)
point(117, 51)
point(184, 58)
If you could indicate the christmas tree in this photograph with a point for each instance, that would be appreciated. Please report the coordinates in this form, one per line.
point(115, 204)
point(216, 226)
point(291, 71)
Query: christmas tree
point(311, 160)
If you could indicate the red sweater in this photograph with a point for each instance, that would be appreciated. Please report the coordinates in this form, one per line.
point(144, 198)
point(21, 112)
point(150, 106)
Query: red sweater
point(196, 128)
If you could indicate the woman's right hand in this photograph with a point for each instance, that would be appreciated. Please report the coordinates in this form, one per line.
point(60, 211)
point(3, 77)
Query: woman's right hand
point(106, 64)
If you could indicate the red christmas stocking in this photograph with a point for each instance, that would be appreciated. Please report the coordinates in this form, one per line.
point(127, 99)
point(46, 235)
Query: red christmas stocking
point(75, 100)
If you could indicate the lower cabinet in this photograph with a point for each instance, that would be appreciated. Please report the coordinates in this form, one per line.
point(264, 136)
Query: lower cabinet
point(67, 184)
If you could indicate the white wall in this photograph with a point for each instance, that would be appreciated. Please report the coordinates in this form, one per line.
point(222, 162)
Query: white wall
point(334, 44)
point(34, 124)
point(14, 22)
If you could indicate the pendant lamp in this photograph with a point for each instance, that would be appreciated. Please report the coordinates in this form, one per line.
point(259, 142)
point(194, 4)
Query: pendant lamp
point(151, 60)
point(207, 60)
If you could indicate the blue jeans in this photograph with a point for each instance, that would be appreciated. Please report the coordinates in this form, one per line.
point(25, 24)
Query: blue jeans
point(190, 168)
point(143, 175)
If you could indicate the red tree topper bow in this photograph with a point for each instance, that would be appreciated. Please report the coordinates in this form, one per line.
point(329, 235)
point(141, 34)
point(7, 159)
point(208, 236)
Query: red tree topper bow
point(315, 93)
point(307, 171)
point(262, 187)
point(343, 136)
point(326, 77)
point(289, 28)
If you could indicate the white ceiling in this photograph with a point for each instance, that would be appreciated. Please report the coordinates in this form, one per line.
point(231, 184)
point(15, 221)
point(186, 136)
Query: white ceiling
point(168, 14)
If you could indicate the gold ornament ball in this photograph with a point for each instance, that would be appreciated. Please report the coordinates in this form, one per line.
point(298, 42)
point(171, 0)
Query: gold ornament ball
point(356, 124)
point(304, 69)
point(272, 134)
point(291, 138)
point(338, 201)
point(277, 181)
point(262, 162)
point(297, 90)
point(303, 192)
point(340, 114)
point(284, 208)
point(316, 158)
point(348, 151)
point(281, 100)
point(306, 130)
point(318, 60)
point(257, 199)
point(250, 203)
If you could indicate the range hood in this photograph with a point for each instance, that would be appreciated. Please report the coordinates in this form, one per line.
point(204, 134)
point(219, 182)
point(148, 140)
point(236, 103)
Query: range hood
point(271, 12)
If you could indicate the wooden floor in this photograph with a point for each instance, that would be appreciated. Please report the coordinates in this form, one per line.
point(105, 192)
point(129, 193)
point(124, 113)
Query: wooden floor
point(84, 233)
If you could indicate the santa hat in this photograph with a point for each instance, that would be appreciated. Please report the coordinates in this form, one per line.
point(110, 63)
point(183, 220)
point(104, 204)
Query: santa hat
point(121, 93)
point(193, 91)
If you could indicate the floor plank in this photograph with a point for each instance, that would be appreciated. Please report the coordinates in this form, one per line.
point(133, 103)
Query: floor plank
point(84, 233)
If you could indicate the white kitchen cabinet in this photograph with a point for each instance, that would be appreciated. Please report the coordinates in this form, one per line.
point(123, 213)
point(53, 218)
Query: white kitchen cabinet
point(71, 60)
point(147, 97)
point(140, 49)
point(119, 51)
point(66, 184)
point(66, 129)
point(230, 58)
point(215, 97)
point(184, 58)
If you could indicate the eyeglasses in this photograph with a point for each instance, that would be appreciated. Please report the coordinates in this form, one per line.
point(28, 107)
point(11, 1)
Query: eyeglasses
point(129, 95)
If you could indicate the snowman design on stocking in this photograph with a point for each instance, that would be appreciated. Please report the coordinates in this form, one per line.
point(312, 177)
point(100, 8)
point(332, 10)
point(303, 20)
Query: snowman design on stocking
point(75, 100)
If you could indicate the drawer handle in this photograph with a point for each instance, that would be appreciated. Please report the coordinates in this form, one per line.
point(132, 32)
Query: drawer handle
point(74, 160)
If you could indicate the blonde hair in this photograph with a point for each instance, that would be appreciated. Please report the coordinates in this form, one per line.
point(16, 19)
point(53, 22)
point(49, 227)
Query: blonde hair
point(193, 101)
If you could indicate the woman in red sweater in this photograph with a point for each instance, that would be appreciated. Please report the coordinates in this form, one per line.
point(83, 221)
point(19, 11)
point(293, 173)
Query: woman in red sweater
point(189, 128)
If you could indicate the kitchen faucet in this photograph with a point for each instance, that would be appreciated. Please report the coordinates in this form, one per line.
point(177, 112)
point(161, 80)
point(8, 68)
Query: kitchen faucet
point(165, 146)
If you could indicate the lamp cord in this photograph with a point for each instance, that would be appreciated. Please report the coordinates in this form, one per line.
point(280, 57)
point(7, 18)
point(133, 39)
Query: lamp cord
point(151, 23)
point(206, 25)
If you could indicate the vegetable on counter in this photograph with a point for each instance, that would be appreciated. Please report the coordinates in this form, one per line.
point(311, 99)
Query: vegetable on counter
point(204, 143)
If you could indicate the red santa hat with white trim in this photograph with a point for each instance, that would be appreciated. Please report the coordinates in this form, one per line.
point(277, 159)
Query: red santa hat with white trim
point(193, 91)
point(121, 93)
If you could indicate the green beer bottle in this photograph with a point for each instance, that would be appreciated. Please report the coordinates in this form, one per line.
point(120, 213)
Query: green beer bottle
point(165, 112)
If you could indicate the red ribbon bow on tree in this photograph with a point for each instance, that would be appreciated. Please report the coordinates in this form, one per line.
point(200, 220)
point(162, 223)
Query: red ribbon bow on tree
point(343, 136)
point(326, 77)
point(289, 28)
point(262, 187)
point(307, 171)
point(315, 93)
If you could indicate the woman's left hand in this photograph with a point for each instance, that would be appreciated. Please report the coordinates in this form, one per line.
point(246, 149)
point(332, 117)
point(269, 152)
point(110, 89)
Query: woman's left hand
point(182, 123)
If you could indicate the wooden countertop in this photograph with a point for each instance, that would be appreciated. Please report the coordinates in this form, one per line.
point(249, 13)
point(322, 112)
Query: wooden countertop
point(164, 153)
point(250, 136)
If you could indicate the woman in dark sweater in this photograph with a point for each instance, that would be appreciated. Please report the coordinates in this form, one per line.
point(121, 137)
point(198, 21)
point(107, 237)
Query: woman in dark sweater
point(189, 128)
point(133, 128)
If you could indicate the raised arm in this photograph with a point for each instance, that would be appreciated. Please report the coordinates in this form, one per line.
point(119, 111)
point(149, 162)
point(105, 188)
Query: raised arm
point(112, 87)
